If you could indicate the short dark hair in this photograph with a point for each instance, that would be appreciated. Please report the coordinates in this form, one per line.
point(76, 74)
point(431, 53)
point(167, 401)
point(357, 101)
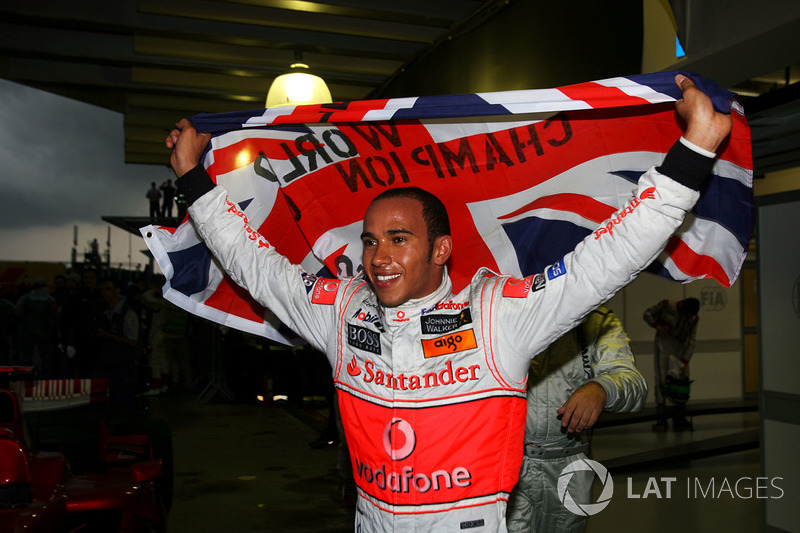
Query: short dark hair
point(690, 306)
point(433, 210)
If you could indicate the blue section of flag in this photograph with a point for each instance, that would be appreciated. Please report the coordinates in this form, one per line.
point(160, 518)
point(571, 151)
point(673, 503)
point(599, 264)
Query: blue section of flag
point(665, 83)
point(459, 105)
point(630, 175)
point(728, 203)
point(193, 265)
point(539, 242)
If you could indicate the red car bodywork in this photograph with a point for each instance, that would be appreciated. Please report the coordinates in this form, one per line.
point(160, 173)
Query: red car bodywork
point(38, 493)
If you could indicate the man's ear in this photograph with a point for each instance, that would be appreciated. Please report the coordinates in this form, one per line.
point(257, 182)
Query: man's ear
point(442, 248)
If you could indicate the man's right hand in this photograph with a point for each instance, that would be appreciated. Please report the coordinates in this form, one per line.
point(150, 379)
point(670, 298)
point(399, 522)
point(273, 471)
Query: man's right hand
point(705, 127)
point(187, 146)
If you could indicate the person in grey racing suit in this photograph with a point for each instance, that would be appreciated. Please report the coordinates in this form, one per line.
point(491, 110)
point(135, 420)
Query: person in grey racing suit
point(593, 365)
point(431, 384)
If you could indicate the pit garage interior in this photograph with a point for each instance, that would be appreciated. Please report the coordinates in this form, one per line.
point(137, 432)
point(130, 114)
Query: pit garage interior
point(246, 466)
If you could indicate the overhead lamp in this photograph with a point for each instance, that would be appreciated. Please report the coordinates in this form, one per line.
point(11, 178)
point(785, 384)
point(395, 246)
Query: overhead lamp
point(298, 87)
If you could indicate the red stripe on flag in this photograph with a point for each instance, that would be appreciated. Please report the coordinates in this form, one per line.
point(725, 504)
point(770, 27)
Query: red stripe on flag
point(244, 152)
point(336, 112)
point(694, 264)
point(600, 96)
point(584, 206)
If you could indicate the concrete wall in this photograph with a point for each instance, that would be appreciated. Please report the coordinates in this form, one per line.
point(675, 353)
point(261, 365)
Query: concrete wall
point(521, 47)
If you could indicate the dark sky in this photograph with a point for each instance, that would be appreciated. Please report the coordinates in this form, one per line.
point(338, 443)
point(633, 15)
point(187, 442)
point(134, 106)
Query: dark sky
point(62, 165)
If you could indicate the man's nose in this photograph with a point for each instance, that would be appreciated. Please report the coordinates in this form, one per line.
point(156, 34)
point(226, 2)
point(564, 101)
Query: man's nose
point(382, 255)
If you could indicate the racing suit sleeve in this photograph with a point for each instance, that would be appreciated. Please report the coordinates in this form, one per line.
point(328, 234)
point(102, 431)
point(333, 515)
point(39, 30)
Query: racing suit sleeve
point(653, 314)
point(612, 362)
point(253, 263)
point(605, 261)
point(689, 343)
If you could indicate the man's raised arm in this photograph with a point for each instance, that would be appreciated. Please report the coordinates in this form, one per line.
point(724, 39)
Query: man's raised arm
point(241, 250)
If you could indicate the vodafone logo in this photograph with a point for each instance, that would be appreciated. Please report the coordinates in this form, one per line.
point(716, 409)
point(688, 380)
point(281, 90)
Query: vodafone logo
point(324, 291)
point(379, 478)
point(400, 317)
point(398, 426)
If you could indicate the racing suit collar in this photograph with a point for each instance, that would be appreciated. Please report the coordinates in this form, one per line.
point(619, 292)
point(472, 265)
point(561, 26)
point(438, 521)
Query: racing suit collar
point(396, 316)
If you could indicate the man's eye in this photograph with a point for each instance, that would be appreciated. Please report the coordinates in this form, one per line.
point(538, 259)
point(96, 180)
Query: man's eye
point(399, 239)
point(368, 243)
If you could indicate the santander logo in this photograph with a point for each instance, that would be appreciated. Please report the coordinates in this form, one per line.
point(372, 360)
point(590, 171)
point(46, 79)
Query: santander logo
point(352, 367)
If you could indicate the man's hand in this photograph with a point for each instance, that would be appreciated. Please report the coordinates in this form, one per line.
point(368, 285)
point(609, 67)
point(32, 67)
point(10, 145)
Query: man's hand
point(583, 408)
point(187, 146)
point(704, 127)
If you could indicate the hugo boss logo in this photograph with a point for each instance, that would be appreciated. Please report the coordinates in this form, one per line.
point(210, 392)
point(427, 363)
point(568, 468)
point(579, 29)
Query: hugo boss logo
point(364, 339)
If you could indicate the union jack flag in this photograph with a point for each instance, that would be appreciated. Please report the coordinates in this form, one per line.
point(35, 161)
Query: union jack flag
point(525, 176)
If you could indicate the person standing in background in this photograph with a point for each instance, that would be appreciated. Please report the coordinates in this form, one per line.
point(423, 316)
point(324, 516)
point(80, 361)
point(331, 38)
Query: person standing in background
point(587, 371)
point(154, 196)
point(168, 189)
point(676, 327)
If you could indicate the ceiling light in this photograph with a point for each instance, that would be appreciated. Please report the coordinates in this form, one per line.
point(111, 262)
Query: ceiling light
point(298, 87)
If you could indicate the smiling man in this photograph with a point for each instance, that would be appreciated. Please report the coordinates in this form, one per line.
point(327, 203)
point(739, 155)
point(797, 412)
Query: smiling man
point(431, 384)
point(406, 242)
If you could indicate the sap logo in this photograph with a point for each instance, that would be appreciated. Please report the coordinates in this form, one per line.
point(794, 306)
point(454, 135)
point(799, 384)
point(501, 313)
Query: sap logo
point(555, 270)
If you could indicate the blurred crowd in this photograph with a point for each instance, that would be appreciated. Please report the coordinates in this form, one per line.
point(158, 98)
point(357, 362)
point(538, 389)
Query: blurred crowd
point(88, 326)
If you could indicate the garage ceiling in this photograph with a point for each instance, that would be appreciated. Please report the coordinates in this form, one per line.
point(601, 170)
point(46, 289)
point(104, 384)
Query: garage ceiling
point(156, 61)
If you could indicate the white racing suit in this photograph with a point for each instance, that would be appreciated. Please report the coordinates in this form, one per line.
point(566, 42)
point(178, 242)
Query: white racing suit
point(432, 393)
point(596, 350)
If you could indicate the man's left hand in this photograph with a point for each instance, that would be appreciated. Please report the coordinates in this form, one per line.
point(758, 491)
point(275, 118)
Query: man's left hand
point(583, 408)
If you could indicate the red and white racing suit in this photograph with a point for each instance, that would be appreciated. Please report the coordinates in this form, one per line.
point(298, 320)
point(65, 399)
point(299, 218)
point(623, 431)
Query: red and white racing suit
point(432, 393)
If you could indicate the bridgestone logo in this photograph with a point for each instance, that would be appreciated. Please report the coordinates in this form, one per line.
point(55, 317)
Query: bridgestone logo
point(364, 339)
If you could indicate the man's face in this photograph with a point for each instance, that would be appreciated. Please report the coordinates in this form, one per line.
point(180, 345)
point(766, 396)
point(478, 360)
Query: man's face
point(109, 292)
point(89, 279)
point(396, 256)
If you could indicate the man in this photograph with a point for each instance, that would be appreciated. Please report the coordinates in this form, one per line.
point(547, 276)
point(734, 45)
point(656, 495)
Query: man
point(591, 368)
point(37, 326)
point(430, 383)
point(118, 342)
point(154, 196)
point(169, 197)
point(676, 328)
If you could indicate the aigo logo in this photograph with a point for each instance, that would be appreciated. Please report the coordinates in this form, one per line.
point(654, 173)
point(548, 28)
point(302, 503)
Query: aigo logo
point(585, 465)
point(409, 441)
